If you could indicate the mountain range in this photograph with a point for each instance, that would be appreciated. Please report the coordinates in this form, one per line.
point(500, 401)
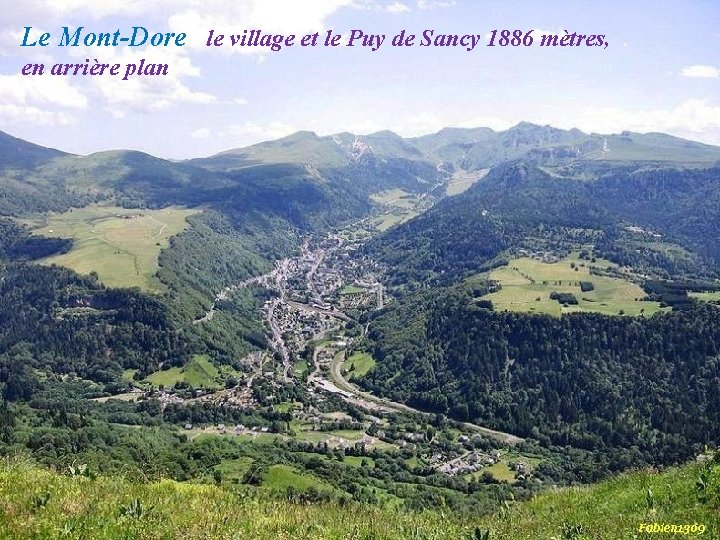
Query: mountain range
point(558, 287)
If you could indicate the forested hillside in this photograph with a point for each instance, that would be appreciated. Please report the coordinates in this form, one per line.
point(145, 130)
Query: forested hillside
point(270, 280)
point(520, 206)
point(639, 390)
point(54, 321)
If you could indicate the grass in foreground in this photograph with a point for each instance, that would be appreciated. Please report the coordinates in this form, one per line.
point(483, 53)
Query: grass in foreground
point(36, 503)
point(121, 245)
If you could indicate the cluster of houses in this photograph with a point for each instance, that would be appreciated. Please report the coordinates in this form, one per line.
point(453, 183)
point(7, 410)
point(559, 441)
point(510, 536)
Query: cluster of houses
point(358, 300)
point(469, 463)
point(549, 257)
point(327, 281)
point(476, 461)
point(239, 429)
point(300, 325)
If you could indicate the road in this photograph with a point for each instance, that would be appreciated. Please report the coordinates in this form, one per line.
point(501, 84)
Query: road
point(222, 295)
point(375, 403)
point(336, 382)
point(310, 276)
point(278, 280)
point(278, 343)
point(331, 312)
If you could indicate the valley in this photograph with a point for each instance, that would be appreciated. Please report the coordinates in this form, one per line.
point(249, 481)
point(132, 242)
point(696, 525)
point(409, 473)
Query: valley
point(312, 319)
point(457, 322)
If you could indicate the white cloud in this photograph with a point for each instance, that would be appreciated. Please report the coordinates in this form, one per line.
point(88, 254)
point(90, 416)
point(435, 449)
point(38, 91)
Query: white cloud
point(432, 4)
point(251, 132)
point(380, 6)
point(40, 90)
point(202, 133)
point(699, 71)
point(195, 17)
point(148, 92)
point(396, 7)
point(240, 101)
point(39, 100)
point(28, 115)
point(694, 119)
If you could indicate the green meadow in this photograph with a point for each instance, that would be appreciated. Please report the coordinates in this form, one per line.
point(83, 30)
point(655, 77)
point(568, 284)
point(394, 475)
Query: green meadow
point(281, 477)
point(199, 372)
point(396, 197)
point(400, 206)
point(527, 284)
point(357, 365)
point(122, 245)
point(462, 181)
point(713, 296)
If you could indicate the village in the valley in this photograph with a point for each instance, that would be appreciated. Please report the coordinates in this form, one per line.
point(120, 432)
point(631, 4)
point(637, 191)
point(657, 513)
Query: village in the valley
point(313, 332)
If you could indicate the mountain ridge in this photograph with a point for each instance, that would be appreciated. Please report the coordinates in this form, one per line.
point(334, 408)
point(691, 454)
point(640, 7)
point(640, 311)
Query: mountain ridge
point(434, 145)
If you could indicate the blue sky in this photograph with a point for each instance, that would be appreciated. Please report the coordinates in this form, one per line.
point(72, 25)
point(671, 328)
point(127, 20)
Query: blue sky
point(661, 72)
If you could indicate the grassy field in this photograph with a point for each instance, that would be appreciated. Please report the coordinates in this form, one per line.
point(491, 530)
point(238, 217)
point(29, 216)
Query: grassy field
point(462, 181)
point(281, 477)
point(501, 472)
point(357, 461)
point(121, 245)
point(351, 289)
point(36, 503)
point(348, 434)
point(300, 368)
point(129, 375)
point(527, 284)
point(706, 296)
point(234, 469)
point(306, 435)
point(358, 365)
point(401, 206)
point(200, 372)
point(284, 407)
point(389, 219)
point(395, 197)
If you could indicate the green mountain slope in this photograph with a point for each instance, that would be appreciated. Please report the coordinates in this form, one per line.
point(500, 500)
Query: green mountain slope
point(581, 380)
point(20, 154)
point(68, 340)
point(321, 152)
point(473, 149)
point(520, 206)
point(36, 503)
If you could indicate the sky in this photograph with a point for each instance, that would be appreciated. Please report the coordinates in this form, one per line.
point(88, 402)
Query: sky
point(660, 72)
